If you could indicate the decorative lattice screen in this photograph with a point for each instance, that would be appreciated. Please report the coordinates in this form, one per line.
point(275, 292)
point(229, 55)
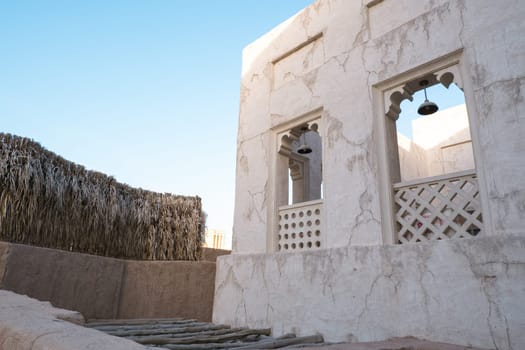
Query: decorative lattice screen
point(300, 226)
point(437, 208)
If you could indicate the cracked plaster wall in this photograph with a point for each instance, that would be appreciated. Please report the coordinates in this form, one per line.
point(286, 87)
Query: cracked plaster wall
point(355, 49)
point(468, 292)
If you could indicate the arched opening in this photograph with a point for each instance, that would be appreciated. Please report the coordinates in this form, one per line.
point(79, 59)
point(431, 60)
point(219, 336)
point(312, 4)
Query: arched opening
point(432, 172)
point(299, 186)
point(435, 144)
point(305, 168)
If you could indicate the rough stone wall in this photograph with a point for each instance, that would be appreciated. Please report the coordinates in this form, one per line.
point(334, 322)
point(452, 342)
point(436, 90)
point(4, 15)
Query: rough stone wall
point(100, 287)
point(164, 289)
point(210, 254)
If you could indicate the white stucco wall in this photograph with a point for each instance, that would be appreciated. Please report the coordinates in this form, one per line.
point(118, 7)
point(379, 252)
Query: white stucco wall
point(334, 63)
point(332, 57)
point(468, 292)
point(412, 159)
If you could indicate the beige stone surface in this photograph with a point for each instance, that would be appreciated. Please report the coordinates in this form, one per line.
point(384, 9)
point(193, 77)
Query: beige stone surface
point(27, 323)
point(4, 251)
point(167, 289)
point(85, 283)
point(101, 287)
point(209, 254)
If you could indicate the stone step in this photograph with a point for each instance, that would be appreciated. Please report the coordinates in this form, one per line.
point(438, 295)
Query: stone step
point(180, 334)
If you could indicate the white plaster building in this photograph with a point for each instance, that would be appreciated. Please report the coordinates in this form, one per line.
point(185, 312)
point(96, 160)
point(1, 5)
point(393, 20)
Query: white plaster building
point(372, 241)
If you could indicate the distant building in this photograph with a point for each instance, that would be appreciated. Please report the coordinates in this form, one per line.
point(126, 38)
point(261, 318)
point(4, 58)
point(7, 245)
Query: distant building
point(215, 239)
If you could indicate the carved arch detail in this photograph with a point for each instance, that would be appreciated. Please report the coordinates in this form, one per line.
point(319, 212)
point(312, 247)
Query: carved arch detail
point(286, 139)
point(395, 96)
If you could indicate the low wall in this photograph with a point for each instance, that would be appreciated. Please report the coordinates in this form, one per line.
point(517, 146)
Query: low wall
point(167, 289)
point(211, 254)
point(100, 287)
point(467, 291)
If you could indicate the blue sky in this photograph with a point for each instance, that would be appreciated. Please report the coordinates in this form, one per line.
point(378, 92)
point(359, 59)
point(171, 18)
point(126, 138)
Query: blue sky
point(439, 94)
point(145, 91)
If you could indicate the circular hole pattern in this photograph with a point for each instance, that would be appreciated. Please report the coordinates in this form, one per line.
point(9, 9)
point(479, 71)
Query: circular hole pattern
point(300, 220)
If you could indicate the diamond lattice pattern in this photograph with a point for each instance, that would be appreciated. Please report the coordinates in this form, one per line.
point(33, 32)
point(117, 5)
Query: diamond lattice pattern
point(437, 210)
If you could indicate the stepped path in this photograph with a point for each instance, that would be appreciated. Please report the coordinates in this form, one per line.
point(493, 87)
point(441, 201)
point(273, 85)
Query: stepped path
point(179, 334)
point(184, 334)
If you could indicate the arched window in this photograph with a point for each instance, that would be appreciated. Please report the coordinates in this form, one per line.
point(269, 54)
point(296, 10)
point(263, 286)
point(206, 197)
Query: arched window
point(432, 177)
point(299, 185)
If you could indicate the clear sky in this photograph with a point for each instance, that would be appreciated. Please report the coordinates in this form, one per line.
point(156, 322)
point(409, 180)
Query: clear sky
point(146, 91)
point(439, 94)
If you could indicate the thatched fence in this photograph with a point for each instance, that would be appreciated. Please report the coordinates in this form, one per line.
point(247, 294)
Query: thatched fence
point(50, 202)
